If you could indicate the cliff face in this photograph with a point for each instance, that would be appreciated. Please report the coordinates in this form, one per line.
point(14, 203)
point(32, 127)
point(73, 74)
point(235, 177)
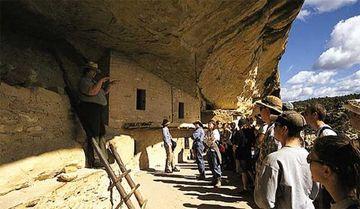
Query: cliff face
point(226, 52)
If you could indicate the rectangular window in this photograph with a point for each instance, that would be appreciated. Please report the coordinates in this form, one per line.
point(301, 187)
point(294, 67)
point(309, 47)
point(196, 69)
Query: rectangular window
point(140, 99)
point(181, 110)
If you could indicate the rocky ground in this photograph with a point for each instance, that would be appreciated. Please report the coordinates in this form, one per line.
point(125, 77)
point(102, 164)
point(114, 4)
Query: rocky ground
point(171, 191)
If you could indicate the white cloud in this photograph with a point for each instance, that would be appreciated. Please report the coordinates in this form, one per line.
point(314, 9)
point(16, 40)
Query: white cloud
point(344, 46)
point(297, 86)
point(349, 83)
point(303, 14)
point(328, 5)
point(300, 77)
point(308, 89)
point(312, 7)
point(292, 93)
point(312, 77)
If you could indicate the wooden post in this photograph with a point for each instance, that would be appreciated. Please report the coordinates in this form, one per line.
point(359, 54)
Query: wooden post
point(112, 174)
point(128, 178)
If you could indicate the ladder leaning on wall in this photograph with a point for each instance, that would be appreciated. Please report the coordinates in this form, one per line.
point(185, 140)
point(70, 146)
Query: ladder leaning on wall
point(116, 180)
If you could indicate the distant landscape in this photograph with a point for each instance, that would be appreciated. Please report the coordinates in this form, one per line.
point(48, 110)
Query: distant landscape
point(336, 113)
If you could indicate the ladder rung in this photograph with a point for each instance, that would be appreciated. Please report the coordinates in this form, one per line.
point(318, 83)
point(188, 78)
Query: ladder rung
point(115, 180)
point(131, 192)
point(119, 179)
point(114, 183)
point(125, 173)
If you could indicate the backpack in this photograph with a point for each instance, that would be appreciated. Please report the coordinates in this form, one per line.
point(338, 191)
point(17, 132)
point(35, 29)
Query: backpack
point(326, 127)
point(340, 134)
point(173, 144)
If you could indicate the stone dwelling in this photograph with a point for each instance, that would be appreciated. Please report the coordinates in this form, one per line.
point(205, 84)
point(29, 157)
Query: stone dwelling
point(173, 58)
point(139, 103)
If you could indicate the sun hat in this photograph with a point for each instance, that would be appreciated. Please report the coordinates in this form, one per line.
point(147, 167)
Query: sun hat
point(165, 122)
point(291, 119)
point(271, 102)
point(92, 66)
point(199, 122)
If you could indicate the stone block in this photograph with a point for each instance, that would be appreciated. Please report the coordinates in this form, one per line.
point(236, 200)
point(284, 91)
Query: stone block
point(67, 177)
point(37, 136)
point(125, 147)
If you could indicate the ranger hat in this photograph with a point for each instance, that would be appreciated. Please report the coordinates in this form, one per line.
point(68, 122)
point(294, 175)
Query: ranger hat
point(271, 102)
point(92, 66)
point(165, 122)
point(198, 122)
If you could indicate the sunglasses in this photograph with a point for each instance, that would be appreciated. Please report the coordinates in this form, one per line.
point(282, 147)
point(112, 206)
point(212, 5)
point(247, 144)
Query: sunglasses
point(333, 167)
point(309, 160)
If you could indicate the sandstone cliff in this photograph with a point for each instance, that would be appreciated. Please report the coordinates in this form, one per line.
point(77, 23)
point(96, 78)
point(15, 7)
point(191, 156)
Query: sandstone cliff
point(226, 52)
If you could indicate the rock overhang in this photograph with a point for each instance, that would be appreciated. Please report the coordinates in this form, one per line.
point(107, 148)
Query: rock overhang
point(225, 52)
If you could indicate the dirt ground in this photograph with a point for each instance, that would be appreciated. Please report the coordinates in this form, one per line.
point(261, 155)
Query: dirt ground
point(182, 190)
point(89, 190)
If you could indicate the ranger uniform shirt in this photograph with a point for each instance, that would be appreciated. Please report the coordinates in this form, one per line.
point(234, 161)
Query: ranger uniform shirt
point(84, 87)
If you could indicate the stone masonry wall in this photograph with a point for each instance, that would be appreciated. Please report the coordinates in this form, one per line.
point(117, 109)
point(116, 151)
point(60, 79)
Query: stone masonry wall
point(122, 101)
point(162, 101)
point(37, 135)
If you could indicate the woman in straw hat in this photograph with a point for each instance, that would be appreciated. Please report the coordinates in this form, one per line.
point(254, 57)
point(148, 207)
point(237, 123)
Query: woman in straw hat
point(269, 106)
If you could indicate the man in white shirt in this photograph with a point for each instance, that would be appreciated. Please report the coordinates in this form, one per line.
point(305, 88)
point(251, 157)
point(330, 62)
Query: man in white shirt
point(168, 144)
point(315, 115)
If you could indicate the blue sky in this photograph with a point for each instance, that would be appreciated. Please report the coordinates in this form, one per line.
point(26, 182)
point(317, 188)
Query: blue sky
point(322, 56)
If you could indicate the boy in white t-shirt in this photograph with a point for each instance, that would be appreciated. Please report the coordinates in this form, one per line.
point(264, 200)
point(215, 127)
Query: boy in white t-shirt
point(315, 115)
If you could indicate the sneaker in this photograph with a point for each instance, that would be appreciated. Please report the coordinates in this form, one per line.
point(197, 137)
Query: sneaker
point(217, 183)
point(176, 169)
point(168, 171)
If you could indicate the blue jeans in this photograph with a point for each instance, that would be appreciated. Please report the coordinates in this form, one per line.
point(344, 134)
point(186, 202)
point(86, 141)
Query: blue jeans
point(199, 148)
point(214, 163)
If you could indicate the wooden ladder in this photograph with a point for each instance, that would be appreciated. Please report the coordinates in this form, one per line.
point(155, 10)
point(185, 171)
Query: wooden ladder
point(116, 180)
